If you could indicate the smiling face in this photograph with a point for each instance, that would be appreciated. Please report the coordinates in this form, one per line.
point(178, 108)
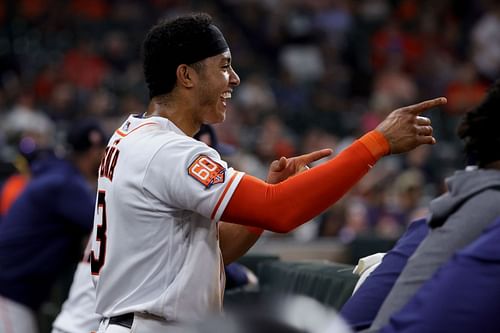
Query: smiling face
point(217, 79)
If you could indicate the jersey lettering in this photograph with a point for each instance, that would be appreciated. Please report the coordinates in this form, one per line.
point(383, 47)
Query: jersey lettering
point(108, 162)
point(97, 263)
point(207, 171)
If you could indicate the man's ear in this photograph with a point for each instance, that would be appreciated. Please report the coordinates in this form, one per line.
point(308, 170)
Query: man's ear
point(186, 76)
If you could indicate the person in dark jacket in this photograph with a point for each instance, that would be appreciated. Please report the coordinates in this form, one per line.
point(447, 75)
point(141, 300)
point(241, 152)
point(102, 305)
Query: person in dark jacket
point(463, 296)
point(43, 231)
point(459, 216)
point(361, 308)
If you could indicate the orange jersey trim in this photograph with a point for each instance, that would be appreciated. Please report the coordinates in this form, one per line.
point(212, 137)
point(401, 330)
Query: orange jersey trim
point(122, 134)
point(217, 205)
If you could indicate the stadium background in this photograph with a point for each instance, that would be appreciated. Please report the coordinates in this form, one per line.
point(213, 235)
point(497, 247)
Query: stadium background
point(315, 74)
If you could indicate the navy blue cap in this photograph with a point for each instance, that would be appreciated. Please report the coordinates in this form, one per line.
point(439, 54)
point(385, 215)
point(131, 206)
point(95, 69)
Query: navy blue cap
point(86, 134)
point(222, 148)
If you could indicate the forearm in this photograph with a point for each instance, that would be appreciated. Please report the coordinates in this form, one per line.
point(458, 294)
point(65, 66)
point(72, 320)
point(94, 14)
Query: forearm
point(235, 240)
point(284, 206)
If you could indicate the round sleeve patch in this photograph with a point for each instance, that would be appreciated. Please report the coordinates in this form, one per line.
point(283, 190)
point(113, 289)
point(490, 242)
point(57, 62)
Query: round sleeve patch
point(207, 171)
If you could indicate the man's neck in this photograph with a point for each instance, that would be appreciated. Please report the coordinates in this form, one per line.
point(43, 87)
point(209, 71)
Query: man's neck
point(180, 117)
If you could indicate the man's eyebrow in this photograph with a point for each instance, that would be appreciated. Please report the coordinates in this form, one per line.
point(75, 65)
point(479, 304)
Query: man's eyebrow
point(226, 59)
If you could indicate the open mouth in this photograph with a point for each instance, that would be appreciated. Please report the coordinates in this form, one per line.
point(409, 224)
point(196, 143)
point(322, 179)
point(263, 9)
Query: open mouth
point(225, 96)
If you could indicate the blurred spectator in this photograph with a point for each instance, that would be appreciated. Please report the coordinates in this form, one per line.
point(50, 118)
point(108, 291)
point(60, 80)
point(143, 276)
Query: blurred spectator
point(465, 91)
point(380, 104)
point(332, 19)
point(393, 82)
point(407, 203)
point(486, 44)
point(28, 135)
point(45, 82)
point(26, 125)
point(391, 43)
point(291, 97)
point(356, 220)
point(274, 141)
point(41, 235)
point(116, 50)
point(374, 11)
point(100, 104)
point(420, 159)
point(61, 105)
point(303, 62)
point(84, 56)
point(90, 9)
point(33, 9)
point(255, 95)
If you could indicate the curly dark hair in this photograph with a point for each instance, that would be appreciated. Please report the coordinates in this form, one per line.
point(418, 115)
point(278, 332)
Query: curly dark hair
point(159, 62)
point(479, 129)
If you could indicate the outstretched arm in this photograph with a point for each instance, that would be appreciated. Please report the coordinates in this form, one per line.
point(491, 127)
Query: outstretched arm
point(234, 239)
point(284, 206)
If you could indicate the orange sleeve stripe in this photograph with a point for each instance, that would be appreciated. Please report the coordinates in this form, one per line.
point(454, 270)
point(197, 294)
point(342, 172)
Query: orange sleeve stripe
point(217, 205)
point(284, 206)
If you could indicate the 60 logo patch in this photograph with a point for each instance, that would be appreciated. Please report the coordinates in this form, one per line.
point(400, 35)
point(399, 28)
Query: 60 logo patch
point(206, 171)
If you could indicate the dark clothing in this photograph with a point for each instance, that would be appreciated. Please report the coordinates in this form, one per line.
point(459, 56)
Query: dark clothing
point(42, 232)
point(458, 218)
point(236, 276)
point(360, 310)
point(463, 296)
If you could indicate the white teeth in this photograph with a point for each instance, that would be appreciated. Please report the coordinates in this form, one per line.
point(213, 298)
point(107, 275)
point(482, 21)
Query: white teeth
point(226, 95)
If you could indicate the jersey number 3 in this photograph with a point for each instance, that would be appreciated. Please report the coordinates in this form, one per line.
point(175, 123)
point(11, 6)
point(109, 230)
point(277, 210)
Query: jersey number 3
point(97, 263)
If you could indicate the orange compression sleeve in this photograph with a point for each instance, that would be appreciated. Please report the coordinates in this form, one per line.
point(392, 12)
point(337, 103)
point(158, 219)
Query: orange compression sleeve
point(284, 206)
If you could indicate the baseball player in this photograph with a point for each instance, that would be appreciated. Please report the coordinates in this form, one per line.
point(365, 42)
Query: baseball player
point(78, 311)
point(159, 249)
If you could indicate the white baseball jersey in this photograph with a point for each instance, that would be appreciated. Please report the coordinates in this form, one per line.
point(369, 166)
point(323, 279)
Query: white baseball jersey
point(78, 311)
point(156, 249)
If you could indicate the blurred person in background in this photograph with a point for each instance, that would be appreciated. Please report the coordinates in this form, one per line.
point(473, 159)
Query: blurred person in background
point(486, 44)
point(461, 297)
point(28, 135)
point(459, 216)
point(465, 90)
point(42, 233)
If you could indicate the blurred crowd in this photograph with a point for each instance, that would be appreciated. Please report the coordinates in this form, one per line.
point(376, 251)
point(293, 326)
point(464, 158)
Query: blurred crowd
point(315, 74)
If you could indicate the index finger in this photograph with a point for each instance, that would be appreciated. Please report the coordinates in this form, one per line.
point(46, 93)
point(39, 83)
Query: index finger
point(425, 105)
point(315, 155)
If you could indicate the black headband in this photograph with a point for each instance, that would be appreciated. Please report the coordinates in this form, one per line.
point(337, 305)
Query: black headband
point(193, 48)
point(207, 44)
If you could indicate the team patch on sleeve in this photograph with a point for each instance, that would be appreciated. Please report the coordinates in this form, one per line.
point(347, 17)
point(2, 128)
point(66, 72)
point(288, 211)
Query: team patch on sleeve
point(206, 171)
